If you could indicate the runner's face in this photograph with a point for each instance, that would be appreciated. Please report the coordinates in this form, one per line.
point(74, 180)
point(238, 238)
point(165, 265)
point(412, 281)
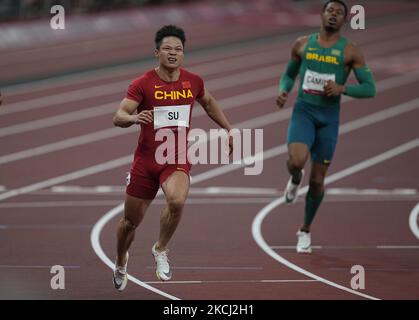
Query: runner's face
point(333, 16)
point(170, 53)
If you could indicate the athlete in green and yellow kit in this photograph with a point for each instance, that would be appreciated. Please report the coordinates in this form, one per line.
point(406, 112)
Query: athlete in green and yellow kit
point(323, 60)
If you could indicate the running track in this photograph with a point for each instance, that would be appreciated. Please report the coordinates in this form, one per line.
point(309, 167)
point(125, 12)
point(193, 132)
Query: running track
point(236, 238)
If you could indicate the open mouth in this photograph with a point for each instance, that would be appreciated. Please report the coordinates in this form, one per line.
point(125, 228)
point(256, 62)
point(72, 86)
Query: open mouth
point(172, 60)
point(332, 21)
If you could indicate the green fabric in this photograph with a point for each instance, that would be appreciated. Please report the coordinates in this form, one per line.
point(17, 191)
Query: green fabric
point(311, 206)
point(366, 86)
point(322, 61)
point(288, 78)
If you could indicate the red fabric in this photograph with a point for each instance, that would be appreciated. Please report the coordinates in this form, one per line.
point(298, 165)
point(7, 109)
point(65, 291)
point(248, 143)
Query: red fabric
point(149, 91)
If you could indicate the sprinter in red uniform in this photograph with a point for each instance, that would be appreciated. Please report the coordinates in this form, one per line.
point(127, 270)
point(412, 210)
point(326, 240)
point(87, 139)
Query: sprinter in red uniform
point(161, 99)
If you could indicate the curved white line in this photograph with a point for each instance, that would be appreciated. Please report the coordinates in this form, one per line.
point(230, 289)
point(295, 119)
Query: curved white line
point(95, 241)
point(257, 222)
point(257, 235)
point(413, 221)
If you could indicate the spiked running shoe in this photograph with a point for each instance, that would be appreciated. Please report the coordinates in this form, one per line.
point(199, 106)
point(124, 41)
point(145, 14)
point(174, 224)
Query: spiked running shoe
point(291, 191)
point(120, 276)
point(304, 242)
point(163, 272)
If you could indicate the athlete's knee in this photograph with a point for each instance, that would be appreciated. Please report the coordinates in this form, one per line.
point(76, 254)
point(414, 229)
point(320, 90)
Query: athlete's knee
point(175, 204)
point(297, 156)
point(296, 163)
point(128, 224)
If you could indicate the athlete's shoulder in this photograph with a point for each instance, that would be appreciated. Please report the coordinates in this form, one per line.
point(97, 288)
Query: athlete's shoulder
point(299, 46)
point(352, 49)
point(352, 45)
point(145, 77)
point(303, 39)
point(191, 75)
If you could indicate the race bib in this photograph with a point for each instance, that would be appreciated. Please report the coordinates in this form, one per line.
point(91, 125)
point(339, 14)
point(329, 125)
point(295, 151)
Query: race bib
point(314, 82)
point(171, 116)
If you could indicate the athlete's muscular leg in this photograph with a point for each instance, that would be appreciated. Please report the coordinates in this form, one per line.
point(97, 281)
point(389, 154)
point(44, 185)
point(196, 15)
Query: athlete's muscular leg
point(315, 193)
point(317, 176)
point(298, 154)
point(134, 212)
point(176, 189)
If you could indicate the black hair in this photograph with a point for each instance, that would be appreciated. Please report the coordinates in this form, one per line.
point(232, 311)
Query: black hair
point(337, 1)
point(169, 31)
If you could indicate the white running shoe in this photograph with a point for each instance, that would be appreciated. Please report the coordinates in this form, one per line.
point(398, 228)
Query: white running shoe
point(304, 242)
point(120, 276)
point(163, 272)
point(291, 191)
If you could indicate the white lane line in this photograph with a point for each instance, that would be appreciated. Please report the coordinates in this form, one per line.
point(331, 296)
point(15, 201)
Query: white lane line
point(236, 191)
point(109, 203)
point(260, 121)
point(67, 177)
point(67, 143)
point(63, 118)
point(413, 221)
point(370, 199)
point(15, 266)
point(87, 190)
point(369, 269)
point(59, 204)
point(238, 201)
point(43, 226)
point(345, 128)
point(371, 192)
point(189, 201)
point(397, 247)
point(230, 281)
point(262, 214)
point(192, 191)
point(209, 268)
point(59, 100)
point(380, 247)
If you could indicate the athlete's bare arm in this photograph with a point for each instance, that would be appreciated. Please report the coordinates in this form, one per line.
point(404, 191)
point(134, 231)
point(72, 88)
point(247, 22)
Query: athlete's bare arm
point(125, 116)
point(298, 47)
point(297, 52)
point(214, 111)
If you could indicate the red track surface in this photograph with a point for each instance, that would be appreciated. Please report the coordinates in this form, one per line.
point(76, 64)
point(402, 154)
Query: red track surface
point(214, 244)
